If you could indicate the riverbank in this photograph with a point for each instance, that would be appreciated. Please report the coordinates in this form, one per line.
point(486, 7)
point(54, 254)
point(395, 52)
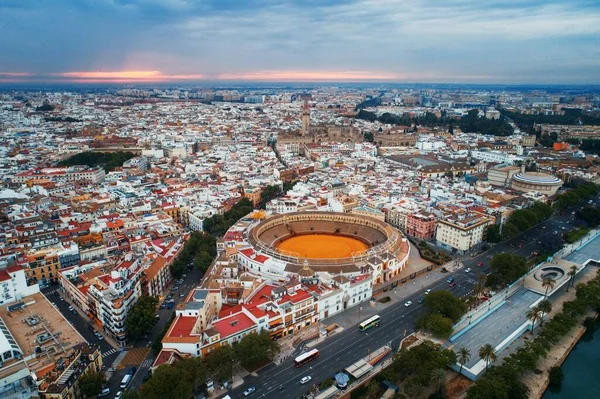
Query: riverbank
point(538, 383)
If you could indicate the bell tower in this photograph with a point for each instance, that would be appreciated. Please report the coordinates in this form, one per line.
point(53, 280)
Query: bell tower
point(305, 119)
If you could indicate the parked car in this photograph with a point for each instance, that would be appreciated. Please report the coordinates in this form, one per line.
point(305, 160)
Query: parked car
point(249, 391)
point(70, 308)
point(181, 295)
point(304, 380)
point(74, 312)
point(450, 280)
point(468, 270)
point(453, 284)
point(480, 264)
point(421, 300)
point(131, 371)
point(407, 303)
point(104, 392)
point(427, 291)
point(118, 395)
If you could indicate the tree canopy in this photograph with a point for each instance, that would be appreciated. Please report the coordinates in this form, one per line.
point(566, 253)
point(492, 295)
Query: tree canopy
point(443, 310)
point(419, 362)
point(141, 317)
point(472, 123)
point(108, 160)
point(91, 383)
point(219, 224)
point(506, 268)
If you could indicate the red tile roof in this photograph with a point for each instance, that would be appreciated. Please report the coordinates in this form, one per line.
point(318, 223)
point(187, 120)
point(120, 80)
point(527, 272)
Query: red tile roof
point(233, 325)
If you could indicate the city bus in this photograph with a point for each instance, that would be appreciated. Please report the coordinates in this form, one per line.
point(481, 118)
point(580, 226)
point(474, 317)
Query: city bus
point(370, 322)
point(306, 357)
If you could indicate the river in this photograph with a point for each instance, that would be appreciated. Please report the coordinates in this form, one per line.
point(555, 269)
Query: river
point(580, 370)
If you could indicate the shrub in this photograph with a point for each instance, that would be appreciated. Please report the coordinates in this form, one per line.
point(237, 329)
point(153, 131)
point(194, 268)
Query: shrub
point(555, 375)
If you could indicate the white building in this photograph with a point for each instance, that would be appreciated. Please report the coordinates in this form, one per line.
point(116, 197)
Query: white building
point(13, 285)
point(461, 233)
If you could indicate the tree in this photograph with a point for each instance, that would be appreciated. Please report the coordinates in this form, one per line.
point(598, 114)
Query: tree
point(572, 273)
point(373, 389)
point(446, 304)
point(256, 349)
point(544, 307)
point(368, 136)
point(463, 356)
point(548, 283)
point(131, 394)
point(91, 383)
point(168, 382)
point(415, 389)
point(141, 317)
point(506, 268)
point(487, 353)
point(220, 363)
point(533, 314)
point(492, 234)
point(437, 324)
point(555, 375)
point(438, 378)
point(509, 231)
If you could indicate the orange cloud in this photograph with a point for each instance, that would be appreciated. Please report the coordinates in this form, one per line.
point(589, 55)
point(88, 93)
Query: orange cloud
point(125, 76)
point(309, 76)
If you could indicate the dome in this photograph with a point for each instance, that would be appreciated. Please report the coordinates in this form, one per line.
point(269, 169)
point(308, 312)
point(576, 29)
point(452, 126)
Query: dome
point(537, 178)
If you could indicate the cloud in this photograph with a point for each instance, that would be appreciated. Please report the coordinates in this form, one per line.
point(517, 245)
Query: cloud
point(429, 40)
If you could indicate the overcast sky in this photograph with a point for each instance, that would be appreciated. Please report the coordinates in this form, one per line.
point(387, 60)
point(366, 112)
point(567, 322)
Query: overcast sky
point(486, 41)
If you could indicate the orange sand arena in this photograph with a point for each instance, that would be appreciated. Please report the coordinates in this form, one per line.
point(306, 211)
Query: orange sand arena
point(322, 246)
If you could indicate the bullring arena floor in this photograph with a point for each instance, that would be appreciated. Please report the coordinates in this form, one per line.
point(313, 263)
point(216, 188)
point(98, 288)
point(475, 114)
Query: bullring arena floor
point(322, 246)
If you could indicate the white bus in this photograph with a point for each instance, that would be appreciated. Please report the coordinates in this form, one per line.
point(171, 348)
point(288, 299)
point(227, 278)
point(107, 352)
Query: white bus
point(306, 357)
point(125, 381)
point(370, 322)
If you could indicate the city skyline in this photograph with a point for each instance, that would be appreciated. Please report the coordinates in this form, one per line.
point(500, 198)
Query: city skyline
point(152, 41)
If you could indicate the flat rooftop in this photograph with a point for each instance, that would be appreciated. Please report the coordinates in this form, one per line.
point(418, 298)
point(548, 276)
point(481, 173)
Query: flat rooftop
point(499, 325)
point(590, 250)
point(50, 321)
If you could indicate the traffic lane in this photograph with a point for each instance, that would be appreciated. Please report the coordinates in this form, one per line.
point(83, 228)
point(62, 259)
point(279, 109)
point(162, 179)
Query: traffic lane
point(334, 355)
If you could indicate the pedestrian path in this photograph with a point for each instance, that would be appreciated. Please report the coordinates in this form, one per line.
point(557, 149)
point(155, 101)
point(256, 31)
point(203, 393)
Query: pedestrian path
point(110, 352)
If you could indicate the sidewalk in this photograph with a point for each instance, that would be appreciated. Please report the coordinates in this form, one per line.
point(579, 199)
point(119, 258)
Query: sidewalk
point(84, 316)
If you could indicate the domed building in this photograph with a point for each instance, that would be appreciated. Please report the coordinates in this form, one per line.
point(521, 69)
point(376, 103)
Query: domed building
point(543, 183)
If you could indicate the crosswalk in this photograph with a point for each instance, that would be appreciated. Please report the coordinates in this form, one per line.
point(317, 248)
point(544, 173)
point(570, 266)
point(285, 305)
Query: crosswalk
point(50, 292)
point(147, 363)
point(109, 352)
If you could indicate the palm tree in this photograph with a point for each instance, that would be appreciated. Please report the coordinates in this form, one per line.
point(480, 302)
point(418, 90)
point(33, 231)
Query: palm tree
point(438, 377)
point(487, 353)
point(571, 274)
point(533, 314)
point(463, 356)
point(544, 307)
point(548, 283)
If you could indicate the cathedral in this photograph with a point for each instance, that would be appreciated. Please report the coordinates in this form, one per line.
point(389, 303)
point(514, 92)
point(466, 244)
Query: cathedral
point(319, 133)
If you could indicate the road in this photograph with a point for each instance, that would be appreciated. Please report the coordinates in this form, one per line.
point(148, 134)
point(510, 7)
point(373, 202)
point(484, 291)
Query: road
point(395, 320)
point(109, 354)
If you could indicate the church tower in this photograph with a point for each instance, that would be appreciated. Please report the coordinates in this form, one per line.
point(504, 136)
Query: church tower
point(305, 119)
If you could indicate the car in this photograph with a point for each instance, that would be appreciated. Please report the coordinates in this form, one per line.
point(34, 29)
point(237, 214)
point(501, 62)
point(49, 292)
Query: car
point(181, 295)
point(184, 275)
point(131, 371)
point(249, 391)
point(480, 264)
point(407, 303)
point(468, 270)
point(70, 308)
point(427, 291)
point(162, 306)
point(421, 300)
point(91, 328)
point(53, 304)
point(74, 312)
point(61, 298)
point(521, 244)
point(118, 395)
point(555, 232)
point(450, 280)
point(104, 392)
point(99, 336)
point(111, 370)
point(156, 317)
point(305, 379)
point(453, 284)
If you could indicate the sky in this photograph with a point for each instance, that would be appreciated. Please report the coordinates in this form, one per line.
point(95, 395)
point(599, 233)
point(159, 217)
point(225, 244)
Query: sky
point(430, 41)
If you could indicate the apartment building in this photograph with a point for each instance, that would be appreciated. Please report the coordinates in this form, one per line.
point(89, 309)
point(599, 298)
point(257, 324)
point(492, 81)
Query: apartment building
point(461, 233)
point(421, 225)
point(62, 175)
point(43, 265)
point(13, 285)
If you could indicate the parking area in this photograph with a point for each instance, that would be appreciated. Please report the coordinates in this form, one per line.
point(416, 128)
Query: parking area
point(497, 326)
